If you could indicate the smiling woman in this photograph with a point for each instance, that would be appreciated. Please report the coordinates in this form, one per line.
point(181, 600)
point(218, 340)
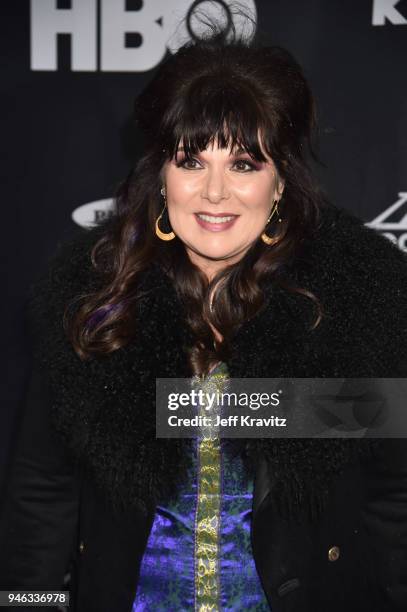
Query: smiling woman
point(219, 203)
point(224, 260)
point(230, 130)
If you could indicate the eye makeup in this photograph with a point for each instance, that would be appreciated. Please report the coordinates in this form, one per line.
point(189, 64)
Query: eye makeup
point(240, 156)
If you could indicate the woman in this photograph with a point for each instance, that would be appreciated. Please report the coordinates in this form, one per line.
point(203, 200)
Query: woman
point(224, 260)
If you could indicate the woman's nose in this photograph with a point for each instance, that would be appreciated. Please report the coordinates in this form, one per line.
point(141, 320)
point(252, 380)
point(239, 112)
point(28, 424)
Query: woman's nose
point(215, 187)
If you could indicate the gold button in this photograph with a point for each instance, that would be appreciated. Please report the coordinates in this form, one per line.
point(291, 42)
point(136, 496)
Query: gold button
point(333, 553)
point(81, 547)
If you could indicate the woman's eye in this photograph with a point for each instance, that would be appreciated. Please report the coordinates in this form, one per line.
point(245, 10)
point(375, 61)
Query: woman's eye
point(244, 162)
point(183, 163)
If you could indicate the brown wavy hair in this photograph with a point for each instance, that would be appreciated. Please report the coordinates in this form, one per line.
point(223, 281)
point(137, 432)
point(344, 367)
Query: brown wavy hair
point(224, 88)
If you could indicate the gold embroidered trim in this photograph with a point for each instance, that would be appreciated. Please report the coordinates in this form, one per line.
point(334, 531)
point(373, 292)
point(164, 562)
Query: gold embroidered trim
point(207, 518)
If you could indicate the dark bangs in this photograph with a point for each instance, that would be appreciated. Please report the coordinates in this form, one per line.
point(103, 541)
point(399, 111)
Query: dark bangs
point(215, 112)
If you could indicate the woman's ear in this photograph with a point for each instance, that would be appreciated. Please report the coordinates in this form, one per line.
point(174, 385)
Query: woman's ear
point(280, 186)
point(162, 174)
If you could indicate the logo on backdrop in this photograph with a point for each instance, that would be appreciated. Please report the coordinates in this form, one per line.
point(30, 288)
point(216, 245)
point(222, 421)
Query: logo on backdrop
point(92, 213)
point(386, 12)
point(392, 222)
point(128, 40)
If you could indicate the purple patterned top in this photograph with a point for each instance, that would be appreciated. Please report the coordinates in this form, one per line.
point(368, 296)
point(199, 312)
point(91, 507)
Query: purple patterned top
point(198, 555)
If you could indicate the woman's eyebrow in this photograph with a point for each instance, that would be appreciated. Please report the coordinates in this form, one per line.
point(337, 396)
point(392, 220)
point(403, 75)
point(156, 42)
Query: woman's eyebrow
point(238, 151)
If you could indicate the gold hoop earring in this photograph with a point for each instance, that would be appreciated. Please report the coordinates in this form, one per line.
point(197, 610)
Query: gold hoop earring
point(159, 233)
point(267, 239)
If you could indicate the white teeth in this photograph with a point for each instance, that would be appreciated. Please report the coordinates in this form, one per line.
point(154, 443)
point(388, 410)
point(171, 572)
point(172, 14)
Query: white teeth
point(215, 219)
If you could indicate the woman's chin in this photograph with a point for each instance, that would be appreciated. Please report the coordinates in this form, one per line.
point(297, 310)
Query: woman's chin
point(214, 255)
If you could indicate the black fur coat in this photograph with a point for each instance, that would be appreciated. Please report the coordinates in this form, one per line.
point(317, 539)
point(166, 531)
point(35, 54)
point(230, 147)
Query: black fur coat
point(104, 408)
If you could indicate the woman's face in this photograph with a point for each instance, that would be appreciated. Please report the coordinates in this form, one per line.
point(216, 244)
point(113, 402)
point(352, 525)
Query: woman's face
point(218, 203)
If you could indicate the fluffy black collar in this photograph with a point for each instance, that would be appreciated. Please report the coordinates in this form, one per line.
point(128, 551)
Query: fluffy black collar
point(104, 408)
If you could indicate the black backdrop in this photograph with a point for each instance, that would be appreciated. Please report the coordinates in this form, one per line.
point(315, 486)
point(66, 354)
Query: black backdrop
point(71, 70)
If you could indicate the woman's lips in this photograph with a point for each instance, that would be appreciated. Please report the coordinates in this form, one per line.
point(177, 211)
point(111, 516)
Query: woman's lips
point(209, 222)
